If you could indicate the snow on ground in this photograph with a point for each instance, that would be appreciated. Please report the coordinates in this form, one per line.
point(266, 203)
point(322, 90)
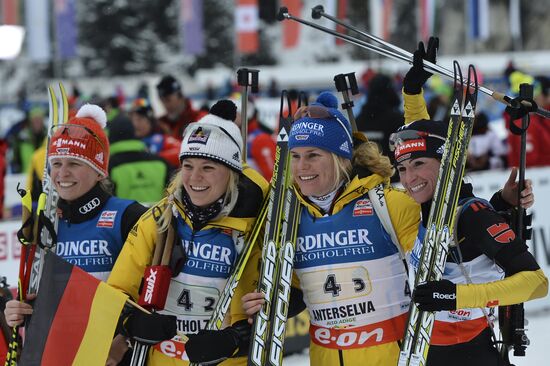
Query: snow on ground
point(536, 354)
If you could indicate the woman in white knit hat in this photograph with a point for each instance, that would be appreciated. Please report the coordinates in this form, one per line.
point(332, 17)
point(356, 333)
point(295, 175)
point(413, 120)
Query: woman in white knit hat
point(212, 203)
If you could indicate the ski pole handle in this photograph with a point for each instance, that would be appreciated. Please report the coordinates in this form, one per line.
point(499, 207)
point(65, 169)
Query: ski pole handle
point(346, 83)
point(246, 78)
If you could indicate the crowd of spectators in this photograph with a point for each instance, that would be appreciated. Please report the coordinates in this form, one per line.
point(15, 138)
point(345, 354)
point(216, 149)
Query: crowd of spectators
point(149, 141)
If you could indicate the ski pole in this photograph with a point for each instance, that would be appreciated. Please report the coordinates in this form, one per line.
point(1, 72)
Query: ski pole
point(512, 317)
point(318, 11)
point(346, 83)
point(403, 55)
point(26, 236)
point(246, 78)
point(157, 276)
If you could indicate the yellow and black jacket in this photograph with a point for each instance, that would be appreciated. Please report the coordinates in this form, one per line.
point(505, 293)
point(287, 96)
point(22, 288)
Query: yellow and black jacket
point(208, 257)
point(352, 276)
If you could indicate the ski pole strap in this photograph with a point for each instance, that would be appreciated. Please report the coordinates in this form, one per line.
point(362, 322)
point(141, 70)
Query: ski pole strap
point(517, 109)
point(24, 234)
point(49, 225)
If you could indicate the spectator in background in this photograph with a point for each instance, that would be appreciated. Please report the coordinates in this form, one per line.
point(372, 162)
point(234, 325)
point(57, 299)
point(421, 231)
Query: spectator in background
point(3, 169)
point(146, 129)
point(111, 105)
point(380, 115)
point(179, 111)
point(486, 150)
point(538, 133)
point(27, 140)
point(438, 106)
point(260, 146)
point(543, 99)
point(136, 173)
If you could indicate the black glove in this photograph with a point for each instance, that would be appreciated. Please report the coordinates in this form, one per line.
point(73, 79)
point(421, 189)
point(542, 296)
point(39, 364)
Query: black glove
point(517, 110)
point(435, 296)
point(212, 346)
point(417, 76)
point(150, 328)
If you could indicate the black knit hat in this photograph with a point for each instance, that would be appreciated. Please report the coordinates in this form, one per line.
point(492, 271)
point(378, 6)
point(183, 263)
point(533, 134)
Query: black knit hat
point(168, 85)
point(120, 129)
point(422, 138)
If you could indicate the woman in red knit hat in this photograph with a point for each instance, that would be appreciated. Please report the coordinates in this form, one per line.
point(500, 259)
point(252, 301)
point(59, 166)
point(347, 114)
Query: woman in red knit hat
point(92, 224)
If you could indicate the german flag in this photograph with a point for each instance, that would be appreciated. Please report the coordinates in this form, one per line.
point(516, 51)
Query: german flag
point(74, 318)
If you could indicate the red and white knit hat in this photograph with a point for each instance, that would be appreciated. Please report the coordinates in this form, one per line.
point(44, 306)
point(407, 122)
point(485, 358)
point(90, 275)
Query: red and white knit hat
point(83, 138)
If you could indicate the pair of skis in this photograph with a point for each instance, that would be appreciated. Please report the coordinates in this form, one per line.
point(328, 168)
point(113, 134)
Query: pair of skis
point(283, 212)
point(441, 222)
point(38, 234)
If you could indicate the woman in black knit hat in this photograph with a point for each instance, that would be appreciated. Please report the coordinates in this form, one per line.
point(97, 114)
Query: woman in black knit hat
point(473, 282)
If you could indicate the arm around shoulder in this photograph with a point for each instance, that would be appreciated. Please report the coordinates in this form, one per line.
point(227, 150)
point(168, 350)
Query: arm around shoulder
point(405, 216)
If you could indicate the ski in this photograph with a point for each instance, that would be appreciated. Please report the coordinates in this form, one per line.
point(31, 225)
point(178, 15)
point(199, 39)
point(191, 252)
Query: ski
point(440, 228)
point(283, 282)
point(32, 239)
point(272, 238)
point(47, 202)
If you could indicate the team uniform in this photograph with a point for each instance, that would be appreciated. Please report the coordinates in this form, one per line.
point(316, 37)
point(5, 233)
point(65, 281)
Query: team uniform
point(206, 257)
point(486, 250)
point(353, 280)
point(93, 228)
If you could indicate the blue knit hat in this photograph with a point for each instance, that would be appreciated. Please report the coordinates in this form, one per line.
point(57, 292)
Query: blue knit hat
point(324, 127)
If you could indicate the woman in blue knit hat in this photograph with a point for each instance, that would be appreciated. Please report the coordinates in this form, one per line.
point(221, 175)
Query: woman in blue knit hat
point(348, 264)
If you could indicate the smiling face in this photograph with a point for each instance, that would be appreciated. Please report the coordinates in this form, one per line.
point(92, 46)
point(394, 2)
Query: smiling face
point(73, 178)
point(419, 177)
point(204, 180)
point(313, 170)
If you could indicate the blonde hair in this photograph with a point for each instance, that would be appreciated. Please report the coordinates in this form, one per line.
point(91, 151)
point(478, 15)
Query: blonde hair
point(342, 170)
point(173, 192)
point(368, 155)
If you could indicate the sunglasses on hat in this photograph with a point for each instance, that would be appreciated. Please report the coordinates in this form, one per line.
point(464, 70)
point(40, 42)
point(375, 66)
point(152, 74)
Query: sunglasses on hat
point(76, 132)
point(400, 137)
point(320, 112)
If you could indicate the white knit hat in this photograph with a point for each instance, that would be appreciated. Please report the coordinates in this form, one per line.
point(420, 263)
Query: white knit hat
point(215, 136)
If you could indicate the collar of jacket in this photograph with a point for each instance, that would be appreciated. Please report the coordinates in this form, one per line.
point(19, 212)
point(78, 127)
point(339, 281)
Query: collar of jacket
point(127, 146)
point(85, 207)
point(357, 187)
point(252, 190)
